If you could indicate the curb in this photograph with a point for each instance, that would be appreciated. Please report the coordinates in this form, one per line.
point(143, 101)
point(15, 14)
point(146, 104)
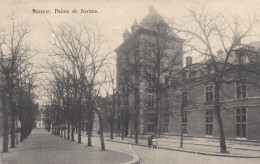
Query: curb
point(215, 146)
point(135, 159)
point(195, 152)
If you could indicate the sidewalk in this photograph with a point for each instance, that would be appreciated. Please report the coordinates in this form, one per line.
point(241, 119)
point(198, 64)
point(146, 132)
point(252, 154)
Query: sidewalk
point(42, 147)
point(198, 146)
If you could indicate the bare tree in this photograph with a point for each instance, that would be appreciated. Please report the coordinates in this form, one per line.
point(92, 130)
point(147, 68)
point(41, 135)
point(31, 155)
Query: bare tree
point(83, 48)
point(131, 66)
point(163, 62)
point(14, 60)
point(110, 101)
point(207, 32)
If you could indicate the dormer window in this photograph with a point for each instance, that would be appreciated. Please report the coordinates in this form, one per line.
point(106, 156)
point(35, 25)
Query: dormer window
point(242, 59)
point(240, 90)
point(192, 74)
point(210, 70)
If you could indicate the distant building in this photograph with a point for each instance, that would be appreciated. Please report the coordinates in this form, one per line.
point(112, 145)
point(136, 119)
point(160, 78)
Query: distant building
point(40, 121)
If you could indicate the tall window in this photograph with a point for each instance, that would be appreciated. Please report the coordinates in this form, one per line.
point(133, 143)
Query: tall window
point(241, 122)
point(184, 76)
point(150, 101)
point(184, 122)
point(240, 90)
point(184, 97)
point(151, 74)
point(209, 93)
point(209, 122)
point(166, 122)
point(150, 122)
point(166, 101)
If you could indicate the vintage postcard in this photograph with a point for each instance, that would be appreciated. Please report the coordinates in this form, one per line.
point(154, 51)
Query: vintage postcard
point(120, 81)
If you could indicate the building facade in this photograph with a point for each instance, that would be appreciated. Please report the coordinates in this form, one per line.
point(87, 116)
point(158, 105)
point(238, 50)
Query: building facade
point(239, 102)
point(240, 99)
point(146, 53)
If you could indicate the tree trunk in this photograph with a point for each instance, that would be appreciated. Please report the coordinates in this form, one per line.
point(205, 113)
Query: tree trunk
point(64, 132)
point(22, 132)
point(136, 118)
point(52, 125)
point(182, 114)
point(101, 130)
point(112, 128)
point(13, 129)
point(123, 125)
point(136, 129)
point(124, 112)
point(76, 127)
point(90, 129)
point(68, 132)
point(13, 114)
point(157, 116)
point(79, 130)
point(61, 134)
point(17, 134)
point(5, 121)
point(72, 131)
point(217, 111)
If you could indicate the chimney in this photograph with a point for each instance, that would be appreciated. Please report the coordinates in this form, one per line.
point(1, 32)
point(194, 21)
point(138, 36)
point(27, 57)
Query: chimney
point(188, 60)
point(219, 52)
point(150, 9)
point(236, 35)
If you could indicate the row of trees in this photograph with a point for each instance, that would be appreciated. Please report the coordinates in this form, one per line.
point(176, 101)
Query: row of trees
point(17, 83)
point(75, 81)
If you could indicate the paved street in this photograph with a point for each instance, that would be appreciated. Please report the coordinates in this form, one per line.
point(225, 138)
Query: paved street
point(160, 156)
point(42, 147)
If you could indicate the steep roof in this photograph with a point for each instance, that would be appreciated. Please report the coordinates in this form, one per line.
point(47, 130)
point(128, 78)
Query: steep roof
point(149, 23)
point(151, 19)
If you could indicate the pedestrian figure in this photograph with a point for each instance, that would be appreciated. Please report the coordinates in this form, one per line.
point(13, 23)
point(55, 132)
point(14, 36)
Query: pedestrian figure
point(149, 141)
point(154, 142)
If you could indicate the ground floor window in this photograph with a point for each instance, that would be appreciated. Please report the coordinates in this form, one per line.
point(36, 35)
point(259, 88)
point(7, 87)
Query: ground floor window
point(184, 122)
point(209, 122)
point(241, 122)
point(166, 122)
point(150, 123)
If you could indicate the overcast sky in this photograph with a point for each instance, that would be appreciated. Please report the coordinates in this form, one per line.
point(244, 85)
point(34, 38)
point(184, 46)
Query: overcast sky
point(113, 17)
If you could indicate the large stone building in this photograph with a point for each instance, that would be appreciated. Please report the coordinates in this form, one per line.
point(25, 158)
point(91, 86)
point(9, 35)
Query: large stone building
point(240, 101)
point(150, 47)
